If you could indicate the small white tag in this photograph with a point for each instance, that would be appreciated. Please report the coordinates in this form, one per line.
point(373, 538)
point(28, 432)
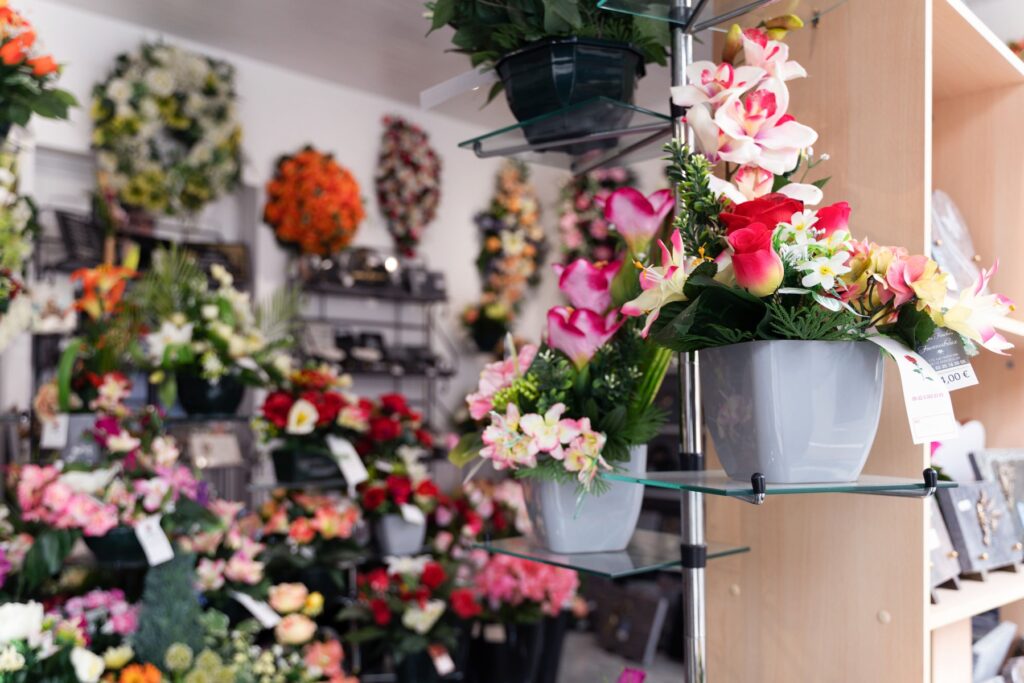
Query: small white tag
point(933, 539)
point(494, 633)
point(929, 408)
point(412, 514)
point(55, 433)
point(964, 505)
point(946, 354)
point(443, 663)
point(154, 541)
point(263, 612)
point(352, 467)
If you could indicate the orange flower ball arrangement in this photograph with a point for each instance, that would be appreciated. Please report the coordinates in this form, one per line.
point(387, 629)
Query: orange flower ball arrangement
point(313, 203)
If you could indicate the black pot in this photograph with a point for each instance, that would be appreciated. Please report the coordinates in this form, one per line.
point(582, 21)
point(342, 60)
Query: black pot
point(416, 668)
point(118, 548)
point(295, 465)
point(515, 660)
point(201, 397)
point(555, 629)
point(487, 333)
point(554, 74)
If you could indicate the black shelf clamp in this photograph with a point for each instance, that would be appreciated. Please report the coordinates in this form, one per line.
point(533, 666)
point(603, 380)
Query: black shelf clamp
point(931, 483)
point(758, 490)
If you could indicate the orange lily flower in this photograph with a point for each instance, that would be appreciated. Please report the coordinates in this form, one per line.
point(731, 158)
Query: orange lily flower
point(102, 288)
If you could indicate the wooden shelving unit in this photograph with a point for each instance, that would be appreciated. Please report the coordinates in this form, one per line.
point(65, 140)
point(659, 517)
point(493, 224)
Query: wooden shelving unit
point(838, 588)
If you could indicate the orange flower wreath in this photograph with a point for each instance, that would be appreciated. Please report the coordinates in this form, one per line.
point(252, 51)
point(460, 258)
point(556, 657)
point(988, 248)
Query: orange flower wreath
point(313, 203)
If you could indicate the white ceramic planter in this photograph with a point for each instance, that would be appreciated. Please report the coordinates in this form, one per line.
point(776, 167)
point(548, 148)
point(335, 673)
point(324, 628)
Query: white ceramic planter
point(603, 523)
point(795, 411)
point(395, 536)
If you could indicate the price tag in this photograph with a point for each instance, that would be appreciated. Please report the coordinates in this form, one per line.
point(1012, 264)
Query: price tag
point(929, 408)
point(412, 514)
point(946, 354)
point(154, 541)
point(494, 633)
point(263, 612)
point(352, 467)
point(443, 663)
point(55, 433)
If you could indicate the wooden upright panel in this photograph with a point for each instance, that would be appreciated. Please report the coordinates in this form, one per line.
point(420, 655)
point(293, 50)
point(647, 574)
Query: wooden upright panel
point(835, 586)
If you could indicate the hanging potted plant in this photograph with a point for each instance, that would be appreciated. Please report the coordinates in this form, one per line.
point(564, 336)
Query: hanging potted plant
point(778, 294)
point(555, 53)
point(581, 405)
point(314, 207)
point(27, 76)
point(208, 341)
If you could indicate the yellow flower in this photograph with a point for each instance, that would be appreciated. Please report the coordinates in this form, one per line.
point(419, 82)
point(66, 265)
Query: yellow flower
point(314, 604)
point(930, 288)
point(117, 657)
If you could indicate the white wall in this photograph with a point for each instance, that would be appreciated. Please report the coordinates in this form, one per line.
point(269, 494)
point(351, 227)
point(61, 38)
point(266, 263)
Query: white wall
point(282, 110)
point(1004, 17)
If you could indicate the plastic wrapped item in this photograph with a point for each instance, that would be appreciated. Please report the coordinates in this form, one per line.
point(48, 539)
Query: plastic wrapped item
point(952, 247)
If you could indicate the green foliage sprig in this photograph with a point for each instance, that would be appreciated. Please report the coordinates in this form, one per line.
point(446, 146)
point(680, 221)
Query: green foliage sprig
point(697, 219)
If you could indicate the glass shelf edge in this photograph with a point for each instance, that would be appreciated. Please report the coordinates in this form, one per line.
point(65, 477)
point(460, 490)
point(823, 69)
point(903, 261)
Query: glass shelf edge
point(894, 484)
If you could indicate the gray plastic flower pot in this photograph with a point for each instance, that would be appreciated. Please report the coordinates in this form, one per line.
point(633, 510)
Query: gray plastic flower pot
point(395, 536)
point(604, 523)
point(796, 411)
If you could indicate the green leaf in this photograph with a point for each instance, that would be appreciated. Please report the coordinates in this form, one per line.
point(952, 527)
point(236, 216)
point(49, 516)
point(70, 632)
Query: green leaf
point(466, 449)
point(493, 92)
point(168, 391)
point(821, 182)
point(444, 11)
point(913, 327)
point(64, 369)
point(561, 16)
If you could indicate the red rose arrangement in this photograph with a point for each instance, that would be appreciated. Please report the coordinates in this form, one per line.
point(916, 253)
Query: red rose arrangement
point(386, 496)
point(411, 603)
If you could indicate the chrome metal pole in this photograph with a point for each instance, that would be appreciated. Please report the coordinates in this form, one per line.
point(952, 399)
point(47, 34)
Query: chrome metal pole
point(693, 546)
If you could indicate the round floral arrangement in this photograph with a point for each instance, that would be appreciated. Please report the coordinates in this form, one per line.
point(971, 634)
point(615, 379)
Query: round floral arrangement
point(165, 129)
point(582, 225)
point(313, 203)
point(408, 181)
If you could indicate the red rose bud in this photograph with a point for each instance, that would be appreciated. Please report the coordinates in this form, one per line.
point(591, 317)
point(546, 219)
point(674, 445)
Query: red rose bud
point(381, 612)
point(757, 267)
point(373, 498)
point(833, 217)
point(399, 488)
point(770, 209)
point(433, 575)
point(276, 408)
point(464, 603)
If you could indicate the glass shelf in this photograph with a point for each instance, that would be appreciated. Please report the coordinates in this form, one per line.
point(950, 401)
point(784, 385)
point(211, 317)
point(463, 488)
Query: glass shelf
point(648, 551)
point(718, 483)
point(580, 137)
point(714, 13)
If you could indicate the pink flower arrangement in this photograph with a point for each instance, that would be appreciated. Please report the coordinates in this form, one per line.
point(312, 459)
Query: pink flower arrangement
point(584, 229)
point(507, 583)
point(101, 611)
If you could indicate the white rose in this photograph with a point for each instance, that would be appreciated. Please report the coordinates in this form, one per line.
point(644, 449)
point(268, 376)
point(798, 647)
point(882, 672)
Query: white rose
point(165, 451)
point(11, 660)
point(119, 90)
point(160, 82)
point(122, 442)
point(88, 665)
point(21, 621)
point(406, 565)
point(210, 311)
point(422, 620)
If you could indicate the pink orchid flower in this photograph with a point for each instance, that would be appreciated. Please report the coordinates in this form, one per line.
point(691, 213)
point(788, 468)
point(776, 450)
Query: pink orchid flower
point(586, 284)
point(976, 311)
point(504, 445)
point(580, 333)
point(636, 217)
point(550, 431)
point(759, 131)
point(713, 83)
point(771, 56)
point(753, 182)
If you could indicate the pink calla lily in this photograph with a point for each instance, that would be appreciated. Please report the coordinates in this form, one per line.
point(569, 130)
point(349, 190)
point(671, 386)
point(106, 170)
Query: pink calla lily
point(636, 217)
point(581, 332)
point(586, 284)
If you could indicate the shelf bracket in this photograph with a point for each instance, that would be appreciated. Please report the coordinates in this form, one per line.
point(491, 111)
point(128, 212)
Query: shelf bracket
point(931, 483)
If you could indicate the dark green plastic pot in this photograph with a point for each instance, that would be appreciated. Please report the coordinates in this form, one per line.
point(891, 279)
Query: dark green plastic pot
point(544, 77)
point(296, 465)
point(118, 548)
point(514, 660)
point(199, 396)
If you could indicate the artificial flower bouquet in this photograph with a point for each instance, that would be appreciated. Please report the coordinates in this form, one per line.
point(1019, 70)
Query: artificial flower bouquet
point(36, 647)
point(479, 510)
point(28, 75)
point(408, 182)
point(313, 203)
point(584, 229)
point(513, 590)
point(573, 407)
point(207, 334)
point(310, 533)
point(410, 604)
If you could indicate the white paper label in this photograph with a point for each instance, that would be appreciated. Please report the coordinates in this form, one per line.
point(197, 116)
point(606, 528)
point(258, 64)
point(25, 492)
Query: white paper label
point(214, 449)
point(443, 663)
point(352, 467)
point(946, 354)
point(154, 541)
point(494, 633)
point(933, 539)
point(929, 409)
point(55, 433)
point(964, 505)
point(263, 612)
point(412, 514)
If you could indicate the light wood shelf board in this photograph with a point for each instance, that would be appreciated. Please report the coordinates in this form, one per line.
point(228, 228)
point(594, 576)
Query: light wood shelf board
point(967, 56)
point(975, 597)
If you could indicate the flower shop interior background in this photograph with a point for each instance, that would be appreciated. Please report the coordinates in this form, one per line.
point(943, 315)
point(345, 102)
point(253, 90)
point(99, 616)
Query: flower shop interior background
point(830, 583)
